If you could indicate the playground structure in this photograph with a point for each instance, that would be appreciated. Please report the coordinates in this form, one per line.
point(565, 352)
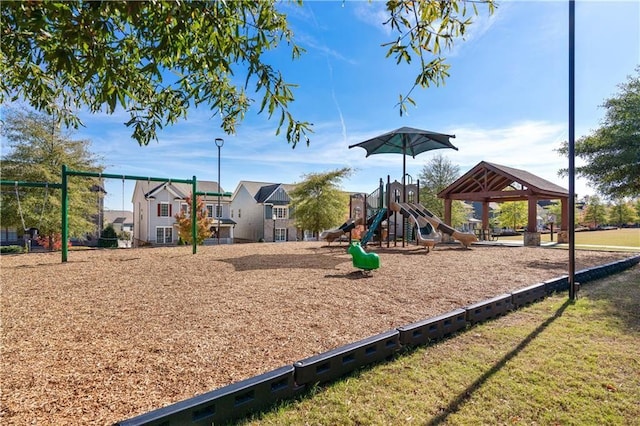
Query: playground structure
point(31, 232)
point(363, 220)
point(64, 187)
point(420, 216)
point(336, 234)
point(426, 234)
point(416, 222)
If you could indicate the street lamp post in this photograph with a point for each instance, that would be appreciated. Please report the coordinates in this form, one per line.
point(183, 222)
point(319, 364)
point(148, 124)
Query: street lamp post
point(219, 144)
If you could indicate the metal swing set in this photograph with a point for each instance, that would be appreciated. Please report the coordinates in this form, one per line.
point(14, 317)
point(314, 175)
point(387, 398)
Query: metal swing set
point(63, 186)
point(31, 231)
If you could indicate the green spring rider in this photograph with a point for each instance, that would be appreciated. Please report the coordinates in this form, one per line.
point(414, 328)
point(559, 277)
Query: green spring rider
point(361, 259)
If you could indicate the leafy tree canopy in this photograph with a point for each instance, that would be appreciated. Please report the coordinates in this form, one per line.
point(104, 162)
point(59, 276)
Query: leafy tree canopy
point(513, 214)
point(318, 202)
point(435, 176)
point(156, 59)
point(35, 152)
point(612, 152)
point(555, 209)
point(622, 213)
point(595, 212)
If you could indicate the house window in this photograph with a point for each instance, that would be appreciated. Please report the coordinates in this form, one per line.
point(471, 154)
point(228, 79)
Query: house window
point(232, 213)
point(357, 213)
point(184, 208)
point(281, 234)
point(164, 209)
point(280, 212)
point(9, 234)
point(164, 234)
point(211, 208)
point(239, 213)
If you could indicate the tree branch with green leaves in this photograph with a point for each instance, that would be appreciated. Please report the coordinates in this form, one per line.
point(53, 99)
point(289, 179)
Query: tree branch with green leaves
point(612, 151)
point(425, 29)
point(157, 59)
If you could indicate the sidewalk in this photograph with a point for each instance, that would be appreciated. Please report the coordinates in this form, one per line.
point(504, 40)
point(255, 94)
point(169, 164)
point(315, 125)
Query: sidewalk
point(554, 244)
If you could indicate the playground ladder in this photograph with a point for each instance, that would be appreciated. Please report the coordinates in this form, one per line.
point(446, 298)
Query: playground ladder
point(376, 222)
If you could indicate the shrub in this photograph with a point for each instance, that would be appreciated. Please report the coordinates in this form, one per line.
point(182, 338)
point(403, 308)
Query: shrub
point(108, 238)
point(51, 242)
point(10, 249)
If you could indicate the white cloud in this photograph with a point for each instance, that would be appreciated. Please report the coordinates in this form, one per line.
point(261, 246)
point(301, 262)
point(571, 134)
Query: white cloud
point(255, 154)
point(526, 145)
point(373, 14)
point(481, 24)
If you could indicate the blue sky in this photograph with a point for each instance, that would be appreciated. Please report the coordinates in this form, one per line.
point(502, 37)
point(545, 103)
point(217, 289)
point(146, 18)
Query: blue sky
point(506, 99)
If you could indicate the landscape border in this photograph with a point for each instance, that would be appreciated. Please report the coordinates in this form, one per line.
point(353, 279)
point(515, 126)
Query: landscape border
point(238, 400)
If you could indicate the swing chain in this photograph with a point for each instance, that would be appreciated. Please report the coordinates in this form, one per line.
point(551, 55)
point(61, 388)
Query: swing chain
point(122, 194)
point(24, 226)
point(44, 205)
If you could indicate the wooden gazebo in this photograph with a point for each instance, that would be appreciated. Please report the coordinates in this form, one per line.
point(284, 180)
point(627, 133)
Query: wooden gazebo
point(490, 182)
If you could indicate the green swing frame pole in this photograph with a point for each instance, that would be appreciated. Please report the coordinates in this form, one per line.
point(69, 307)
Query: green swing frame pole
point(126, 177)
point(65, 200)
point(194, 225)
point(214, 194)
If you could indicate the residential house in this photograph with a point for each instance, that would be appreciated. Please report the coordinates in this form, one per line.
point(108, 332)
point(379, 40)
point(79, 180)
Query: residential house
point(155, 206)
point(9, 236)
point(120, 220)
point(470, 223)
point(262, 212)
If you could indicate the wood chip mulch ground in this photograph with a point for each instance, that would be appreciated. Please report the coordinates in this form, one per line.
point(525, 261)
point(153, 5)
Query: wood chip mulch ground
point(112, 334)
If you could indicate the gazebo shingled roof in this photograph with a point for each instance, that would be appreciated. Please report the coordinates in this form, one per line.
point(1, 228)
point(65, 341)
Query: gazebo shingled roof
point(488, 181)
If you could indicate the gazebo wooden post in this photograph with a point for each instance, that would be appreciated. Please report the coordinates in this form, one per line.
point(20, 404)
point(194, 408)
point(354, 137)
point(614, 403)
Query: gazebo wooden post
point(485, 219)
point(447, 215)
point(447, 211)
point(563, 235)
point(489, 182)
point(532, 236)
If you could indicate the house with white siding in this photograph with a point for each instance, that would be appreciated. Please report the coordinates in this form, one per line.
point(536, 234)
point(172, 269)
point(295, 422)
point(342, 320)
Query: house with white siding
point(262, 212)
point(155, 206)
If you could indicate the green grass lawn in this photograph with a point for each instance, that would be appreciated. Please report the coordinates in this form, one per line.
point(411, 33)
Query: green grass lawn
point(551, 363)
point(623, 237)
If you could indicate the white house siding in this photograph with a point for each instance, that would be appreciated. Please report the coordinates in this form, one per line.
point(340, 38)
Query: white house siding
point(140, 213)
point(154, 221)
point(147, 221)
point(250, 222)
